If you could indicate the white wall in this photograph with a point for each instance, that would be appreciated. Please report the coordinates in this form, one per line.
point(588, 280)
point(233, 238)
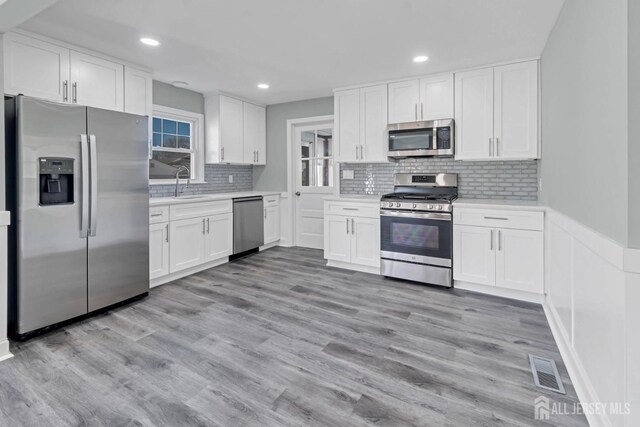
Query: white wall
point(634, 124)
point(584, 116)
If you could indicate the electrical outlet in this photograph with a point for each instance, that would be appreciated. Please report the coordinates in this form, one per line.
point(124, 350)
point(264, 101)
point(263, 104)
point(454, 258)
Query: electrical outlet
point(230, 179)
point(347, 174)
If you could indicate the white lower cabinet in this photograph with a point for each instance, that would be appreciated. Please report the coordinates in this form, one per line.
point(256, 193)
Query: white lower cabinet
point(218, 236)
point(158, 250)
point(509, 256)
point(186, 243)
point(352, 239)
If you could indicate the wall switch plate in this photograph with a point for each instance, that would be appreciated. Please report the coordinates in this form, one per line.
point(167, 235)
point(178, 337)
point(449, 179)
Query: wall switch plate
point(347, 174)
point(230, 179)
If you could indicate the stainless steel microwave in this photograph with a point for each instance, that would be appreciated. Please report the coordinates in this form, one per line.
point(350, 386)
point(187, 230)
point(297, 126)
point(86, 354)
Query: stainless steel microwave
point(422, 139)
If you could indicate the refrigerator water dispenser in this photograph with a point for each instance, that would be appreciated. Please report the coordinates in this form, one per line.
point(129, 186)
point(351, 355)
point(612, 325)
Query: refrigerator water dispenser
point(56, 181)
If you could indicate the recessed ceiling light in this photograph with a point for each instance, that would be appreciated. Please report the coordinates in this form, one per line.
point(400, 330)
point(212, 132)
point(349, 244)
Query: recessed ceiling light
point(263, 86)
point(180, 84)
point(150, 42)
point(420, 58)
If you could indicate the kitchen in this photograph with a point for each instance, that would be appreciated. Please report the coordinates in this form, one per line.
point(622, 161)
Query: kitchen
point(247, 235)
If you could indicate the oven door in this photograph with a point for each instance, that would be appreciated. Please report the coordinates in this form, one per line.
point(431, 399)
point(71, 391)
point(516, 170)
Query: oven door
point(418, 237)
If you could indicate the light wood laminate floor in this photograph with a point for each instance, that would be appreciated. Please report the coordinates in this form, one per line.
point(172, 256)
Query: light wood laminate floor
point(280, 339)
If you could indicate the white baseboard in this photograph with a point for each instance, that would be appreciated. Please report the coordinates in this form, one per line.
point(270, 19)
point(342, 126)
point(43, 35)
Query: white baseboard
point(269, 245)
point(186, 272)
point(354, 267)
point(499, 292)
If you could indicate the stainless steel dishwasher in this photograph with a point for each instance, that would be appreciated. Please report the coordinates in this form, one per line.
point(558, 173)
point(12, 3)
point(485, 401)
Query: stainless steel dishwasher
point(248, 224)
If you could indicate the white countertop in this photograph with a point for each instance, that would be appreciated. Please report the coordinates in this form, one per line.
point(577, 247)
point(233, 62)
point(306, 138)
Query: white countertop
point(357, 198)
point(5, 218)
point(521, 205)
point(160, 201)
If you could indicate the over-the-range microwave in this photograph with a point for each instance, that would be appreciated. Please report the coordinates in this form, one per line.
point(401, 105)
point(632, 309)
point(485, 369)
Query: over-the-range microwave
point(422, 139)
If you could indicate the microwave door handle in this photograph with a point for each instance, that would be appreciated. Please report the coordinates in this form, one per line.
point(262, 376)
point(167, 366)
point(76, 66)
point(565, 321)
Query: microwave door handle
point(435, 138)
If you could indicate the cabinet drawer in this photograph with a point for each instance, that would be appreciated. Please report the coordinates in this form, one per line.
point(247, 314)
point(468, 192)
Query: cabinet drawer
point(359, 210)
point(521, 220)
point(158, 214)
point(271, 200)
point(195, 210)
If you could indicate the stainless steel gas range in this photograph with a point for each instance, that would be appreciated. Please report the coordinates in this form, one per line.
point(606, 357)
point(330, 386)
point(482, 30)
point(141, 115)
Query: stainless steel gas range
point(416, 228)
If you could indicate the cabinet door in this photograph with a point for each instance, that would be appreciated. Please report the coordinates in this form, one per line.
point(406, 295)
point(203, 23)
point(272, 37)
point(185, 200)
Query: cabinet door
point(337, 238)
point(374, 139)
point(474, 115)
point(219, 236)
point(158, 250)
point(520, 260)
point(347, 125)
point(474, 257)
point(231, 130)
point(516, 111)
point(96, 82)
point(404, 99)
point(35, 68)
point(271, 224)
point(365, 241)
point(436, 97)
point(186, 243)
point(255, 134)
point(138, 92)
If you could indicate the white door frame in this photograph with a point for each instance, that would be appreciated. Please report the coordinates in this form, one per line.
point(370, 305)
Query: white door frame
point(291, 168)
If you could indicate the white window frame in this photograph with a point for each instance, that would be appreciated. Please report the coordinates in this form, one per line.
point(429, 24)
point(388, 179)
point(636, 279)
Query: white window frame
point(197, 140)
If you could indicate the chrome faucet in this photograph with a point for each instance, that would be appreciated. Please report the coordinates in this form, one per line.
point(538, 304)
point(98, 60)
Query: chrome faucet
point(182, 168)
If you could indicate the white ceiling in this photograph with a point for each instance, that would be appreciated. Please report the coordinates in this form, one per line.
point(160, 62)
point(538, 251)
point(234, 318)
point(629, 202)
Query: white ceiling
point(302, 48)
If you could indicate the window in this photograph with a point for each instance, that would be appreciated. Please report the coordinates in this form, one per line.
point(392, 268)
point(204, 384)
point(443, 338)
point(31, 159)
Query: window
point(316, 156)
point(176, 141)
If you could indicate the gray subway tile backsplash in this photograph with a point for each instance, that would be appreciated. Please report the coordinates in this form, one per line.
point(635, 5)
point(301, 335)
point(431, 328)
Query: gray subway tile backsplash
point(217, 181)
point(509, 180)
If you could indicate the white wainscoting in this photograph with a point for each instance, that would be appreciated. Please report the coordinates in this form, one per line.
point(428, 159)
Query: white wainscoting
point(4, 342)
point(592, 308)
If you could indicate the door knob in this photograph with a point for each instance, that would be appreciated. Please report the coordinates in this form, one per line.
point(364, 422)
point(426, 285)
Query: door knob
point(297, 193)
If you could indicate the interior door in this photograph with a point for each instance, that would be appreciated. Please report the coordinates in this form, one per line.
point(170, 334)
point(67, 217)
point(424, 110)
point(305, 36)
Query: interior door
point(96, 82)
point(474, 258)
point(35, 68)
point(52, 248)
point(119, 214)
point(314, 175)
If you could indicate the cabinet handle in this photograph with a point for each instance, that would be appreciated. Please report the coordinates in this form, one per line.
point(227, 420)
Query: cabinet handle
point(356, 152)
point(416, 111)
point(353, 227)
point(156, 214)
point(350, 209)
point(421, 111)
point(202, 225)
point(499, 240)
point(208, 226)
point(221, 153)
point(497, 147)
point(362, 152)
point(265, 213)
point(497, 218)
point(347, 225)
point(491, 241)
point(490, 147)
point(74, 92)
point(65, 90)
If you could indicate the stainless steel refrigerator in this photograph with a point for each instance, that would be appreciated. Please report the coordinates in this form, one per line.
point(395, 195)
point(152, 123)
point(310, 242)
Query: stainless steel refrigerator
point(77, 181)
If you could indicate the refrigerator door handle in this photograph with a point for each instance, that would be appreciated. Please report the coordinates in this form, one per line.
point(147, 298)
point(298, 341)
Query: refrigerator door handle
point(93, 217)
point(84, 152)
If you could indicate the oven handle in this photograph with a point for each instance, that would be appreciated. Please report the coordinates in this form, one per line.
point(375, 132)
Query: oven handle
point(402, 214)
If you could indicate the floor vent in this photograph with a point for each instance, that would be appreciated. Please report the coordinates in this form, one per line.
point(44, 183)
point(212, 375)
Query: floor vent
point(545, 374)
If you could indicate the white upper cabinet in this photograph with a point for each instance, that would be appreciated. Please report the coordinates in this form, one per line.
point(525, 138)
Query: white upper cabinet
point(347, 125)
point(58, 72)
point(35, 68)
point(436, 97)
point(138, 92)
point(96, 82)
point(404, 98)
point(236, 131)
point(474, 114)
point(231, 130)
point(430, 98)
point(496, 113)
point(255, 134)
point(516, 110)
point(360, 129)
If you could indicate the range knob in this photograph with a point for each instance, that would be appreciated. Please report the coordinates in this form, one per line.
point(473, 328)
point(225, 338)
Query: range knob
point(439, 207)
point(390, 204)
point(430, 206)
point(414, 206)
point(398, 205)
